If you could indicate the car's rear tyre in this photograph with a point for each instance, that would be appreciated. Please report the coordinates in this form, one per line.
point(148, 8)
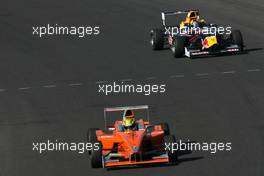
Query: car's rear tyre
point(96, 157)
point(173, 155)
point(165, 127)
point(237, 38)
point(157, 39)
point(178, 46)
point(91, 136)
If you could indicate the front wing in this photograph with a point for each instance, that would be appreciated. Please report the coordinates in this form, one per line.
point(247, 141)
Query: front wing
point(194, 53)
point(116, 163)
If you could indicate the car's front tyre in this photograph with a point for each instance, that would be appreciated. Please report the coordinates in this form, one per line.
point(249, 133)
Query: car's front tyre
point(97, 157)
point(157, 39)
point(91, 136)
point(170, 140)
point(236, 37)
point(178, 46)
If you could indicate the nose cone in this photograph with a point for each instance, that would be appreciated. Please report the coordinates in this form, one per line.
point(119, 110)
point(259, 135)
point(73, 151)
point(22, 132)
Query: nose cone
point(133, 139)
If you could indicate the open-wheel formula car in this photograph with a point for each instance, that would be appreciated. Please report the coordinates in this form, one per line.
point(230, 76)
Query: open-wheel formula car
point(131, 140)
point(191, 36)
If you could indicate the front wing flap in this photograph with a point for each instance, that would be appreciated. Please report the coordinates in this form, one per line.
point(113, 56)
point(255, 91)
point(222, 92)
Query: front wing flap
point(116, 163)
point(194, 53)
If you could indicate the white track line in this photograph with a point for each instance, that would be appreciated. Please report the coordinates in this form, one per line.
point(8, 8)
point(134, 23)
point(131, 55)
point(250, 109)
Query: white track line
point(254, 70)
point(201, 74)
point(100, 82)
point(2, 90)
point(50, 86)
point(176, 76)
point(126, 80)
point(229, 72)
point(151, 78)
point(129, 79)
point(24, 88)
point(75, 84)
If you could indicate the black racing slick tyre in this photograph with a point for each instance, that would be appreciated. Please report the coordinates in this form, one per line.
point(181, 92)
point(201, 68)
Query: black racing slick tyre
point(178, 46)
point(157, 39)
point(91, 136)
point(96, 157)
point(237, 38)
point(165, 127)
point(173, 155)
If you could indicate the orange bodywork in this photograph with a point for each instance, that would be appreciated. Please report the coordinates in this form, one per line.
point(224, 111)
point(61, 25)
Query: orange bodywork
point(128, 147)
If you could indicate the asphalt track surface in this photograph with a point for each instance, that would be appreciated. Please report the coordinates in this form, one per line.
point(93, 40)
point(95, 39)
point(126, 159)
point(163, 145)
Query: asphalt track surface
point(49, 91)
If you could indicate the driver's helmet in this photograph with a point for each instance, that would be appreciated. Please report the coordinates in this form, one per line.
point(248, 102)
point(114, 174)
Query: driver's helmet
point(128, 118)
point(194, 16)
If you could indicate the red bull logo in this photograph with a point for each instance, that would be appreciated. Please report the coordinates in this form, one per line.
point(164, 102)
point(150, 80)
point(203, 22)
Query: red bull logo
point(209, 41)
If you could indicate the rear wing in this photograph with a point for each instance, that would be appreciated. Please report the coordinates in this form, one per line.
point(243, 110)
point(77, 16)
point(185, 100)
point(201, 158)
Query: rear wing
point(164, 14)
point(122, 109)
point(126, 108)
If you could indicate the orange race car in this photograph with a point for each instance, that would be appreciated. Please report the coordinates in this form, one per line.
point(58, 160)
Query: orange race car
point(131, 140)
